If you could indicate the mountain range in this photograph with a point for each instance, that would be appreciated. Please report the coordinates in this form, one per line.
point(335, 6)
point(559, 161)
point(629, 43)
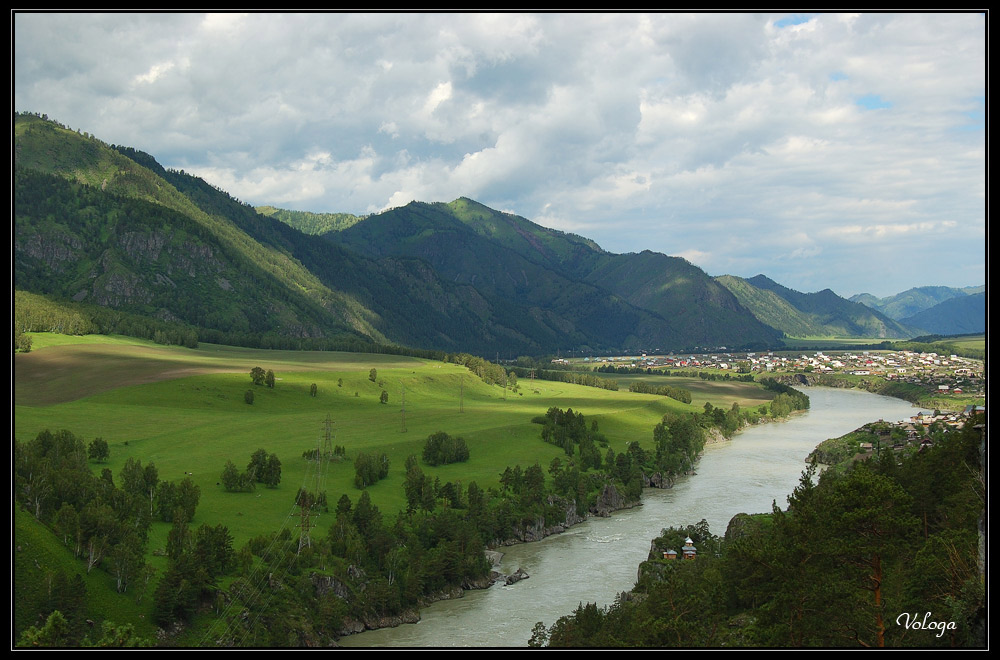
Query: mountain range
point(107, 225)
point(820, 314)
point(935, 309)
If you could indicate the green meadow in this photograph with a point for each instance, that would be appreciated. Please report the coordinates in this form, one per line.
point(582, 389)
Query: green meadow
point(977, 342)
point(184, 410)
point(829, 343)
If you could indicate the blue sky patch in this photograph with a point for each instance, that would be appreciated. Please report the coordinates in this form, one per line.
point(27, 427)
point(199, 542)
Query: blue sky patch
point(872, 102)
point(793, 19)
point(975, 120)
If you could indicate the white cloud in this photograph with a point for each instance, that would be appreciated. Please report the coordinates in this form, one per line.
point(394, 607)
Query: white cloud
point(154, 72)
point(438, 95)
point(637, 130)
point(228, 23)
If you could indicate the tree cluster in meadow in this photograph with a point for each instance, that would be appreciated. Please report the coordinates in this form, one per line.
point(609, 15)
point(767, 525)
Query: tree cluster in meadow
point(677, 393)
point(259, 377)
point(369, 469)
point(263, 468)
point(584, 378)
point(103, 525)
point(680, 373)
point(441, 449)
point(788, 398)
point(570, 431)
point(488, 372)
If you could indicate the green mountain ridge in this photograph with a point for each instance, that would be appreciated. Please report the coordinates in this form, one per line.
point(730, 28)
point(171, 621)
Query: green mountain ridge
point(311, 223)
point(94, 224)
point(691, 301)
point(527, 290)
point(820, 314)
point(108, 225)
point(568, 283)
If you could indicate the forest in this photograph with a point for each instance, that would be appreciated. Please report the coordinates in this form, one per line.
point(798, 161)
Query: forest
point(887, 554)
point(364, 569)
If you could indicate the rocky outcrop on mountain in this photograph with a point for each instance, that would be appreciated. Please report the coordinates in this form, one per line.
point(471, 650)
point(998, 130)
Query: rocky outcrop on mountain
point(54, 247)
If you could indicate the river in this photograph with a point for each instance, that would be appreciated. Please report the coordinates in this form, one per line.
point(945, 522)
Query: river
point(597, 559)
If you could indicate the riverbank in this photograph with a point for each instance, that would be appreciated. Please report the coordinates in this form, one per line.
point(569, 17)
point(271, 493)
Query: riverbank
point(950, 399)
point(863, 580)
point(596, 560)
point(609, 502)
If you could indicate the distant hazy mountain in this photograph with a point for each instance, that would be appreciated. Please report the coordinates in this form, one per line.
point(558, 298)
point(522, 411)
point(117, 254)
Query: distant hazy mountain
point(956, 316)
point(913, 301)
point(821, 314)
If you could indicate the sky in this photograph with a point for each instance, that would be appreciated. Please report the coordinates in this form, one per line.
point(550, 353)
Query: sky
point(841, 151)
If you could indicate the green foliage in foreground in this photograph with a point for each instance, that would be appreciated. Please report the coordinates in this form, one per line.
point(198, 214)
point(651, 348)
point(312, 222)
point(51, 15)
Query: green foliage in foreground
point(885, 554)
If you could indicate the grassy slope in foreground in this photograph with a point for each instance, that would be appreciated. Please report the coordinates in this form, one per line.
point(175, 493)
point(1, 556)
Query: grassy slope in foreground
point(183, 409)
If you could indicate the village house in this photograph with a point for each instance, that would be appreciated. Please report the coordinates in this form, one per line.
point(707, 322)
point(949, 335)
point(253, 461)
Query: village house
point(689, 550)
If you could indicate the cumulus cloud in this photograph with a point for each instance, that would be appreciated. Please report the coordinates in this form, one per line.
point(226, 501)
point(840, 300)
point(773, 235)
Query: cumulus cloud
point(746, 142)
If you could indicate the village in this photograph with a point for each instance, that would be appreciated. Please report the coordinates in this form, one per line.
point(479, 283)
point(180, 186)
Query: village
point(917, 431)
point(953, 378)
point(949, 375)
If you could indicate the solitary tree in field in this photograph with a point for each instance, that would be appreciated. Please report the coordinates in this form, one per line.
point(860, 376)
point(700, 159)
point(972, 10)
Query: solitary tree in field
point(248, 397)
point(98, 450)
point(312, 390)
point(257, 464)
point(230, 476)
point(269, 379)
point(384, 397)
point(257, 375)
point(272, 472)
point(372, 375)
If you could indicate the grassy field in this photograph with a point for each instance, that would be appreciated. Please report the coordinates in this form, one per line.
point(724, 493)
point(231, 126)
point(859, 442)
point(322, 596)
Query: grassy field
point(975, 342)
point(184, 410)
point(721, 393)
point(842, 343)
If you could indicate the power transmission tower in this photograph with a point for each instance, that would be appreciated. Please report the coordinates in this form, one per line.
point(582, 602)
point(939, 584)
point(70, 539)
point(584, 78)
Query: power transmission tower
point(306, 500)
point(325, 454)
